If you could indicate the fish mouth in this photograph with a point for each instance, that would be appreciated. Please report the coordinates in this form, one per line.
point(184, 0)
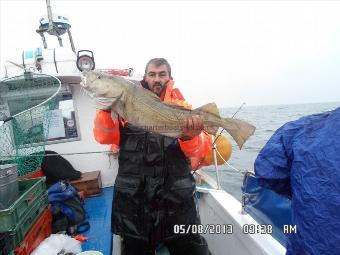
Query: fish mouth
point(85, 81)
point(100, 97)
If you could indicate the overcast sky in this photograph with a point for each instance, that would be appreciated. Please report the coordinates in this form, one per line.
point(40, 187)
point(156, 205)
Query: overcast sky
point(229, 52)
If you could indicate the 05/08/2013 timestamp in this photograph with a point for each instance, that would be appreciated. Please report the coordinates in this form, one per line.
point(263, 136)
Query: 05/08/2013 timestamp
point(204, 229)
point(257, 229)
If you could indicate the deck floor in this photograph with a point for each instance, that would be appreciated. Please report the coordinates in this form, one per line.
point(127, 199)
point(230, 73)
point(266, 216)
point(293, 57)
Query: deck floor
point(99, 213)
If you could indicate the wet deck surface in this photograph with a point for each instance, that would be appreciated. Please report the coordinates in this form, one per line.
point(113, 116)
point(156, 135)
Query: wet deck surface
point(99, 212)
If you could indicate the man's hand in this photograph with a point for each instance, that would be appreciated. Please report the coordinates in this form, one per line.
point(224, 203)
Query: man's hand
point(192, 126)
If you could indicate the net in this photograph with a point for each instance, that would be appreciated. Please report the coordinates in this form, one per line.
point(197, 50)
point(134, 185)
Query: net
point(27, 99)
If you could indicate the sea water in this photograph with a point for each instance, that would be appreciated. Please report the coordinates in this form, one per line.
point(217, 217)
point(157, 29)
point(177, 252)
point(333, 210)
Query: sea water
point(267, 119)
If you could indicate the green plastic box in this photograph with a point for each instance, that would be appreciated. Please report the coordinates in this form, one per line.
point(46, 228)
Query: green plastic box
point(30, 191)
point(18, 234)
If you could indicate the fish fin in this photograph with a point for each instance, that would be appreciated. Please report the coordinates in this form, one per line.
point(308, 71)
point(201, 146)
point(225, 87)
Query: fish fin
point(114, 115)
point(239, 130)
point(103, 103)
point(210, 108)
point(118, 108)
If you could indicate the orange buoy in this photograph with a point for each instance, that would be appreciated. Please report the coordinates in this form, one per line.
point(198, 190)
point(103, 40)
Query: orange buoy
point(223, 147)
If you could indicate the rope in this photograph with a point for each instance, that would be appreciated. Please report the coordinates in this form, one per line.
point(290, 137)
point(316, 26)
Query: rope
point(63, 154)
point(237, 170)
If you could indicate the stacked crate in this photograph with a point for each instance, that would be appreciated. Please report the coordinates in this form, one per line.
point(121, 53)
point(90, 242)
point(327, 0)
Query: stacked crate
point(28, 209)
point(9, 190)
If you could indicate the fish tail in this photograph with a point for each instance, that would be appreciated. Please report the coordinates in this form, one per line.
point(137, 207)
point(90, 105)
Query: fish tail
point(239, 130)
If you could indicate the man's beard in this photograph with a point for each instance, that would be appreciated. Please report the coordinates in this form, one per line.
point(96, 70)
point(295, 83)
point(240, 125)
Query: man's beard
point(158, 92)
point(157, 89)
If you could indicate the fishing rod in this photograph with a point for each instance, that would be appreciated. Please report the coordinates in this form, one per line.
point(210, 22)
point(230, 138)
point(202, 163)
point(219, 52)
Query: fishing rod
point(232, 118)
point(215, 151)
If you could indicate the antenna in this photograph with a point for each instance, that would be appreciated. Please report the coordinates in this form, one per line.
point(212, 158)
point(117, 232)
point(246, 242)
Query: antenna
point(49, 15)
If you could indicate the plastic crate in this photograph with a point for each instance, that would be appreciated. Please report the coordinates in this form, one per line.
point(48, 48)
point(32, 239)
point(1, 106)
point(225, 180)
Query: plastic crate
point(9, 188)
point(29, 191)
point(20, 231)
point(40, 230)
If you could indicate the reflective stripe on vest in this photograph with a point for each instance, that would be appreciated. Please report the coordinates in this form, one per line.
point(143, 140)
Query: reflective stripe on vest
point(104, 129)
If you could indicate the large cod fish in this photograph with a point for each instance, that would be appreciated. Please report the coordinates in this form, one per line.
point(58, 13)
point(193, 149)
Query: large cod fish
point(142, 108)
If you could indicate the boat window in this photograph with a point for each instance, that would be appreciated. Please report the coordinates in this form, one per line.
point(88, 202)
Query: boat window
point(57, 122)
point(63, 123)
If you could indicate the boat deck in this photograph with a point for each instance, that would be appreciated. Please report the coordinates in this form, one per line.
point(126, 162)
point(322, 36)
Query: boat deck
point(216, 207)
point(99, 215)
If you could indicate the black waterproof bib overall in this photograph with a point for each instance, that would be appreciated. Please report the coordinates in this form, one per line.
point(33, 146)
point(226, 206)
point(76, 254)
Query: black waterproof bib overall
point(154, 189)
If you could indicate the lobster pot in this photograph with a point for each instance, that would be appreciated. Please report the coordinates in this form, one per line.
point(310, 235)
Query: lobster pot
point(9, 188)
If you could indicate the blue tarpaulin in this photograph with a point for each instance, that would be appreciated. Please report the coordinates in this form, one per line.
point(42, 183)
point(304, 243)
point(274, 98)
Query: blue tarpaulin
point(302, 161)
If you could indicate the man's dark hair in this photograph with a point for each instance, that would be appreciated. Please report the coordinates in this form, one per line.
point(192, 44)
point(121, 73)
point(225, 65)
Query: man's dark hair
point(158, 62)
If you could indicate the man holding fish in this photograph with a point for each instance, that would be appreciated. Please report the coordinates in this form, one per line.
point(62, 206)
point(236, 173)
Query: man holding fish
point(154, 188)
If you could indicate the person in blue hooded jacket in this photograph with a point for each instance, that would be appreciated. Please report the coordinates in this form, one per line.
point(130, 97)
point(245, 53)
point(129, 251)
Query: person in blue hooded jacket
point(302, 161)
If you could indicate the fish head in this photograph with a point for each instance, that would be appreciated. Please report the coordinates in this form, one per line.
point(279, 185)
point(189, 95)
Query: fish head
point(98, 84)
